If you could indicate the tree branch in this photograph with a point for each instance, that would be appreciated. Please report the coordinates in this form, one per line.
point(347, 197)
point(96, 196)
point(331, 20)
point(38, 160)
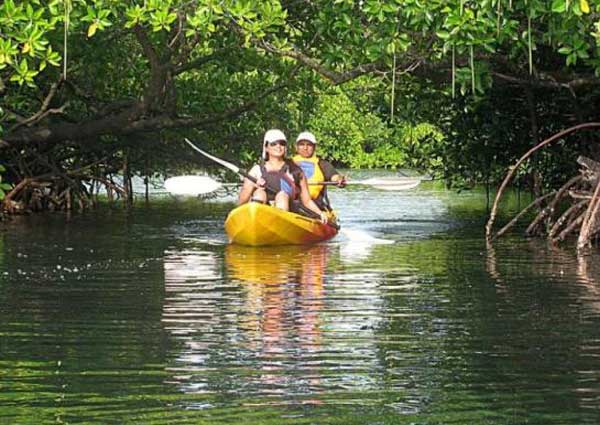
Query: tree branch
point(196, 63)
point(548, 82)
point(149, 51)
point(44, 111)
point(127, 122)
point(333, 76)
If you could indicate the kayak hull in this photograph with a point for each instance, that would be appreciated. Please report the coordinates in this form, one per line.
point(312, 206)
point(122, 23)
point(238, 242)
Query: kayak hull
point(256, 224)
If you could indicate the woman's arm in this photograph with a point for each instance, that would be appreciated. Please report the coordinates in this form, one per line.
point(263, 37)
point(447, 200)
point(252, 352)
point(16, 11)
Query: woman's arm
point(246, 192)
point(248, 187)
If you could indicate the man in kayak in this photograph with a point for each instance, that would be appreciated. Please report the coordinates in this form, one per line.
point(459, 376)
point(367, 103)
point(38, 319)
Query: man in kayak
point(278, 179)
point(316, 169)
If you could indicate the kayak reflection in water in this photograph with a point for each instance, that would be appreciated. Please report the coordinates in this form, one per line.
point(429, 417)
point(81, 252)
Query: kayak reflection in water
point(284, 299)
point(279, 181)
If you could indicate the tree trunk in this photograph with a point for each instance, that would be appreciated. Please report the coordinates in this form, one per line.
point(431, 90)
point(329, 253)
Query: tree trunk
point(535, 175)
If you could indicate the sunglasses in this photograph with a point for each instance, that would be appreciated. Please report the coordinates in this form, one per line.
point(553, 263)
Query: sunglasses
point(278, 142)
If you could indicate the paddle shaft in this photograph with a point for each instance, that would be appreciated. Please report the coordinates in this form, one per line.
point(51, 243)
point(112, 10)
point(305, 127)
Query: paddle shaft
point(242, 173)
point(228, 165)
point(236, 169)
point(365, 182)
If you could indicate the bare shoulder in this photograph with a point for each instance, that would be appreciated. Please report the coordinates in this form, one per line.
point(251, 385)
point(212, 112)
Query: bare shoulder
point(255, 171)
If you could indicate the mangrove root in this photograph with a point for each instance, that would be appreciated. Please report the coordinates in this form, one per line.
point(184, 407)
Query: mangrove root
point(55, 192)
point(573, 210)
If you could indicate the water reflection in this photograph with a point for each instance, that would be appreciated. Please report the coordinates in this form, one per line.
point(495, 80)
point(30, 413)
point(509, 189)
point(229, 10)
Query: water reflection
point(284, 298)
point(261, 319)
point(551, 295)
point(160, 322)
point(271, 321)
point(564, 272)
point(191, 311)
point(189, 266)
point(550, 260)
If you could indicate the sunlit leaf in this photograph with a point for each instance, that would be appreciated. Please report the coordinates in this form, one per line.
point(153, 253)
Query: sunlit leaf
point(92, 29)
point(584, 6)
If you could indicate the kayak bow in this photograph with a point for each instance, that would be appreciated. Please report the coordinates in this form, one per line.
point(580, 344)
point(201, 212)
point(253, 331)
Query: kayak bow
point(257, 224)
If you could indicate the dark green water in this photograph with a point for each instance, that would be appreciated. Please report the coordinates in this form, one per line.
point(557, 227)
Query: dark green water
point(149, 317)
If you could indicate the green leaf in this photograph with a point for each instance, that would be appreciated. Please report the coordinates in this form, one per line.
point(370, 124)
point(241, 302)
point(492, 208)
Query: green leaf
point(559, 6)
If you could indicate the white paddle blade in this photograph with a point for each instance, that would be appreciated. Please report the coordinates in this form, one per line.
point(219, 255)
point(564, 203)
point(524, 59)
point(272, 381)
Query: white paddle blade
point(393, 184)
point(191, 185)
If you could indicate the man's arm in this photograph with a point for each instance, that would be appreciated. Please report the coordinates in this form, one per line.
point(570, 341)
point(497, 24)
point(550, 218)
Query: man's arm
point(331, 174)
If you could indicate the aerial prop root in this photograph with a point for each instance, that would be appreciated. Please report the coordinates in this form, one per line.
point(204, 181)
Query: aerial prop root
point(578, 189)
point(54, 192)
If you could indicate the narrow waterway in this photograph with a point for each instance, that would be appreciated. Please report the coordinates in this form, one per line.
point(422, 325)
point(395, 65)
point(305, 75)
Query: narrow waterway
point(406, 317)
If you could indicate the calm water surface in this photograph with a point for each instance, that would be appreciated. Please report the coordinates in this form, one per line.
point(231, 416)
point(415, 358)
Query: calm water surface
point(407, 317)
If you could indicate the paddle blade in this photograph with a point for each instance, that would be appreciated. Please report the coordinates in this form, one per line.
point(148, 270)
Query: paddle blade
point(191, 185)
point(392, 184)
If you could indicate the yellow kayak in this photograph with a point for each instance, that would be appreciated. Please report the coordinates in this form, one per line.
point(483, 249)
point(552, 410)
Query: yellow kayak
point(257, 224)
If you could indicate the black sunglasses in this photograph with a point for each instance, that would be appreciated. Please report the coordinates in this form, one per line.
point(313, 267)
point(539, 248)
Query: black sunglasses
point(277, 142)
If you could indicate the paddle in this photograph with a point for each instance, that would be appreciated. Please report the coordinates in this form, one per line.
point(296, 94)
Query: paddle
point(192, 185)
point(227, 165)
point(237, 170)
point(202, 185)
point(391, 183)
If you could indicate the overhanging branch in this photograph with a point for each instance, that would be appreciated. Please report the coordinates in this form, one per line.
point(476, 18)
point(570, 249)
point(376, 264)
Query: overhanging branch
point(548, 82)
point(44, 109)
point(128, 122)
point(333, 76)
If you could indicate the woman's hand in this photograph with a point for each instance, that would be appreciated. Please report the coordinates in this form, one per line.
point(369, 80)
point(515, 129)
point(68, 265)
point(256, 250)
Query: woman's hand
point(260, 182)
point(324, 218)
point(342, 181)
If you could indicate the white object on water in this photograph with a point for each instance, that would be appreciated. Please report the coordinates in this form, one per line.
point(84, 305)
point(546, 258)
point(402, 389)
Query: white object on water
point(363, 237)
point(191, 185)
point(391, 183)
point(359, 244)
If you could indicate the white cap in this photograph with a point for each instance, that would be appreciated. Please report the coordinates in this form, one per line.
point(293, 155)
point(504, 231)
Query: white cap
point(274, 135)
point(307, 136)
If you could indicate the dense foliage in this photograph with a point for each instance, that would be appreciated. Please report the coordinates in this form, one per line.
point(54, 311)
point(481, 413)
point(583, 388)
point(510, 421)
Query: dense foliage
point(461, 88)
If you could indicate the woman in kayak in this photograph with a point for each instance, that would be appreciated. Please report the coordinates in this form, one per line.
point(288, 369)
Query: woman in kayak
point(278, 179)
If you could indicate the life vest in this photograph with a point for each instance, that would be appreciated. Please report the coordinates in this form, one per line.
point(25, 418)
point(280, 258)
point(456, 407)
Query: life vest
point(284, 180)
point(312, 171)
